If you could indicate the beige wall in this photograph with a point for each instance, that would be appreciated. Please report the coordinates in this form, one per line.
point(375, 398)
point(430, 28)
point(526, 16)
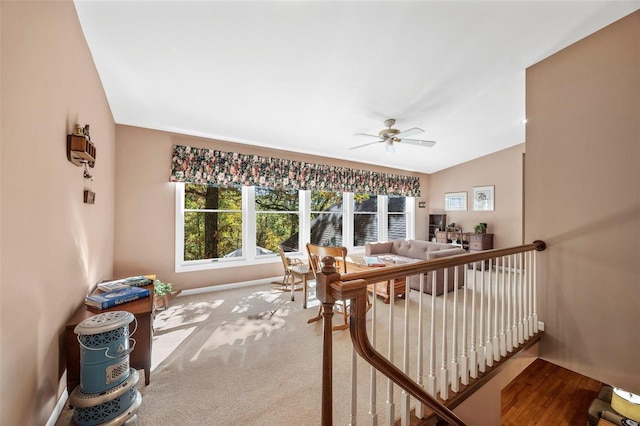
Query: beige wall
point(145, 207)
point(503, 170)
point(583, 198)
point(54, 247)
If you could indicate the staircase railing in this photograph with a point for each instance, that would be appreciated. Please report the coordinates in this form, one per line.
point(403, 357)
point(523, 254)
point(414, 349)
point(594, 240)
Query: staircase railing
point(496, 313)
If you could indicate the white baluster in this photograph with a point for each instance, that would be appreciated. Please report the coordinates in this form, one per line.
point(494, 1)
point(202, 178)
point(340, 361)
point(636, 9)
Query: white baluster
point(464, 359)
point(503, 343)
point(481, 349)
point(514, 317)
point(496, 298)
point(405, 401)
point(489, 347)
point(473, 355)
point(431, 379)
point(535, 295)
point(373, 410)
point(444, 379)
point(354, 386)
point(520, 300)
point(455, 374)
point(420, 355)
point(390, 406)
point(531, 332)
point(527, 306)
point(507, 330)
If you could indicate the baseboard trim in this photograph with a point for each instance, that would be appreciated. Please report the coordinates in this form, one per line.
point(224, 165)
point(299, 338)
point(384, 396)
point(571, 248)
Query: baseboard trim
point(57, 410)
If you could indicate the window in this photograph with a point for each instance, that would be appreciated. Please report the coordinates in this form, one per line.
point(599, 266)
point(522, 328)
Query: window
point(326, 218)
point(396, 217)
point(365, 219)
point(277, 220)
point(212, 222)
point(222, 226)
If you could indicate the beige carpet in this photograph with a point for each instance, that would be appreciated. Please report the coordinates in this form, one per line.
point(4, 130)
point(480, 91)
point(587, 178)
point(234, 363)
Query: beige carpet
point(248, 357)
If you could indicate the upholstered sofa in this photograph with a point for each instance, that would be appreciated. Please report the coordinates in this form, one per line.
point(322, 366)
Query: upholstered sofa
point(408, 251)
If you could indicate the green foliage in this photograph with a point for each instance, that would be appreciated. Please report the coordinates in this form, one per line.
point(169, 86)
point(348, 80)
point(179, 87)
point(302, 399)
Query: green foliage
point(480, 228)
point(217, 230)
point(162, 289)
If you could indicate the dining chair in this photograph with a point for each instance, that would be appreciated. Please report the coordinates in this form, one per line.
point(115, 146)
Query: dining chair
point(295, 271)
point(316, 253)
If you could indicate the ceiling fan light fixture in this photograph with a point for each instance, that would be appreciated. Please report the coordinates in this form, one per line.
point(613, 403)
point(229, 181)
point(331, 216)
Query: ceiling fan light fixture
point(389, 147)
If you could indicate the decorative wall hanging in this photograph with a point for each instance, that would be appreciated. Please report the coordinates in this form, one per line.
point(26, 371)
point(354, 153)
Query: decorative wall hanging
point(455, 201)
point(80, 149)
point(213, 167)
point(483, 198)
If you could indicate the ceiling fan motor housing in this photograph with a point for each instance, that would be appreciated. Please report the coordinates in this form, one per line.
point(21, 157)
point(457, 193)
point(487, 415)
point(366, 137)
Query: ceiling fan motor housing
point(388, 133)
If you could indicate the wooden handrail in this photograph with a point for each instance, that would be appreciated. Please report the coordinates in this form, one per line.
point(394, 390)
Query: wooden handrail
point(332, 286)
point(423, 266)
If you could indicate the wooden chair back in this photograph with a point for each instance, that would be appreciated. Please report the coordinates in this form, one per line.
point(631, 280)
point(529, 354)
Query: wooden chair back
point(316, 253)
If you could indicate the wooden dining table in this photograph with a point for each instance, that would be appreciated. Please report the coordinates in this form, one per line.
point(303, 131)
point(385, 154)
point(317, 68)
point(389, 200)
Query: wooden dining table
point(382, 288)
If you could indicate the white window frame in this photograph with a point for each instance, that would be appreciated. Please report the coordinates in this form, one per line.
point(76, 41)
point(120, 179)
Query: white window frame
point(249, 229)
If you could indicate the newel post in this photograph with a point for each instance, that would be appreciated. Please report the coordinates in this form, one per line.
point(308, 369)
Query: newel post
point(324, 279)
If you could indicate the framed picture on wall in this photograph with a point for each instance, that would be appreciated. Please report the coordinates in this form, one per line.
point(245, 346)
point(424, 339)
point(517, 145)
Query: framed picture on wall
point(483, 198)
point(455, 201)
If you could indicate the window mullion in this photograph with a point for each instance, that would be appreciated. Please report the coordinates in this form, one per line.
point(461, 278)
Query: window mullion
point(410, 206)
point(249, 222)
point(347, 220)
point(304, 208)
point(383, 217)
point(179, 244)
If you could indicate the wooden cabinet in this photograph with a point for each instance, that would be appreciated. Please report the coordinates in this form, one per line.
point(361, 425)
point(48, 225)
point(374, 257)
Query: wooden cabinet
point(478, 242)
point(441, 237)
point(436, 222)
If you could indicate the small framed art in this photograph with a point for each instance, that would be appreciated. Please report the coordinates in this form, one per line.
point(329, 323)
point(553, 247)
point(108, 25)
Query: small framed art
point(455, 201)
point(483, 198)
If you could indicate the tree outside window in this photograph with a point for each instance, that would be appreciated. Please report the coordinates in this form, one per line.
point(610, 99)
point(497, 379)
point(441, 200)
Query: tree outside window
point(212, 221)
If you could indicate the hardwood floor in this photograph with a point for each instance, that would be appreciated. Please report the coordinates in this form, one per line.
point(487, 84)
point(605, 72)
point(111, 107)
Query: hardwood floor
point(546, 394)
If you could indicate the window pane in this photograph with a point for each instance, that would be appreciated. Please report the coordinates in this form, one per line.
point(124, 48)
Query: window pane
point(268, 199)
point(276, 228)
point(397, 224)
point(211, 235)
point(325, 201)
point(326, 229)
point(365, 203)
point(365, 228)
point(201, 197)
point(397, 204)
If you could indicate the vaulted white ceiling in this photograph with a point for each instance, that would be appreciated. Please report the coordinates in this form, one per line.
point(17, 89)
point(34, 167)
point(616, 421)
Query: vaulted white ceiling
point(306, 76)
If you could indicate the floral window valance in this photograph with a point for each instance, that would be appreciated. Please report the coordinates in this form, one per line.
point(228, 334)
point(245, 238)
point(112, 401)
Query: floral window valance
point(209, 166)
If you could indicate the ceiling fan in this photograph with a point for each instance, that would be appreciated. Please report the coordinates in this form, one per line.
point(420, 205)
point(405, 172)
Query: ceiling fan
point(390, 136)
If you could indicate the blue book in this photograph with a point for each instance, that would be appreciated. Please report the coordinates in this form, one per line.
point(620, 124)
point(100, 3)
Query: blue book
point(138, 281)
point(116, 297)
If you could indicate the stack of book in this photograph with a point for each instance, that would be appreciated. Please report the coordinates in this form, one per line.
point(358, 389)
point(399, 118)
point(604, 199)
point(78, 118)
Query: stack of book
point(373, 261)
point(117, 292)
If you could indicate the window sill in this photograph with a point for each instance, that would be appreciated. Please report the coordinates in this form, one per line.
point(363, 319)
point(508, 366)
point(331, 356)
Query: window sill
point(204, 265)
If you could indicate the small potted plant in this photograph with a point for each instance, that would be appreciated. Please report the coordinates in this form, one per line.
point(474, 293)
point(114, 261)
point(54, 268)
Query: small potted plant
point(163, 292)
point(481, 228)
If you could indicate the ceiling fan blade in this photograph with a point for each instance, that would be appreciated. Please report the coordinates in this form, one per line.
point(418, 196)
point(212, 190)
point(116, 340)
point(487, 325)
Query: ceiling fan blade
point(368, 135)
point(409, 132)
point(366, 144)
point(417, 142)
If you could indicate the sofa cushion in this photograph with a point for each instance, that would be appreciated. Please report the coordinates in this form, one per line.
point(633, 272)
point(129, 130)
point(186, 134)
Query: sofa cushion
point(409, 251)
point(417, 249)
point(437, 254)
